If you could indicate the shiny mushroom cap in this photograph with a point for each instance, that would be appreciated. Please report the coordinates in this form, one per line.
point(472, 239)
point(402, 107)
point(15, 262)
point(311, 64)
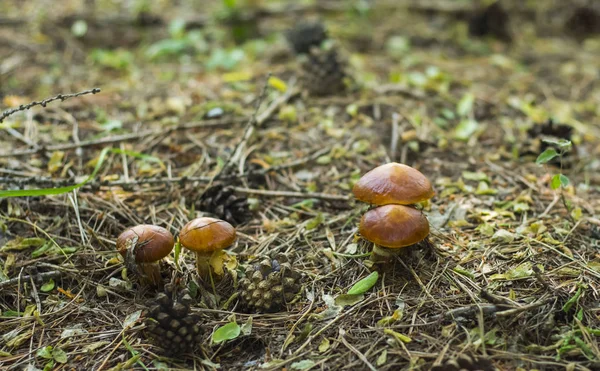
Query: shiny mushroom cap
point(205, 235)
point(394, 226)
point(150, 243)
point(393, 183)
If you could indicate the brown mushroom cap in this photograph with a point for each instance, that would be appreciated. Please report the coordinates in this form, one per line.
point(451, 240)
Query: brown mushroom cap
point(393, 183)
point(394, 226)
point(150, 243)
point(205, 235)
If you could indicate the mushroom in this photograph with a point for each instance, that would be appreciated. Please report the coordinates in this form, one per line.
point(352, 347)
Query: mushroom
point(393, 183)
point(145, 245)
point(393, 227)
point(204, 236)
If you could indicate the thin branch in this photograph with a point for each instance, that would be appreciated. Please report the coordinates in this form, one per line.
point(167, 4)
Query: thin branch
point(248, 130)
point(61, 97)
point(26, 278)
point(122, 138)
point(43, 181)
point(262, 192)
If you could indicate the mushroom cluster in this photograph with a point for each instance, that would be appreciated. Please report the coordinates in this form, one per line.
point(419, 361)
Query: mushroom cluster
point(394, 188)
point(144, 245)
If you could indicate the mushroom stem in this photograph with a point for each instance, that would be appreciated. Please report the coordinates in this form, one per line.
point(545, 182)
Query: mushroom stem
point(203, 265)
point(150, 273)
point(381, 254)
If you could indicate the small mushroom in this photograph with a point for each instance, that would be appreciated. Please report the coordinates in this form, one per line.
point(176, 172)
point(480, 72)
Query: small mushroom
point(394, 226)
point(146, 245)
point(204, 236)
point(393, 183)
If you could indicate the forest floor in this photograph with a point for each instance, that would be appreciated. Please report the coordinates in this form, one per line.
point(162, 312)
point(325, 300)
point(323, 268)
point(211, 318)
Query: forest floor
point(512, 278)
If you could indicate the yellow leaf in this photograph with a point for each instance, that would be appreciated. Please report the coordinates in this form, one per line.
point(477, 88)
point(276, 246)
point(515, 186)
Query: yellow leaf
point(218, 260)
point(277, 83)
point(237, 76)
point(55, 162)
point(14, 100)
point(398, 336)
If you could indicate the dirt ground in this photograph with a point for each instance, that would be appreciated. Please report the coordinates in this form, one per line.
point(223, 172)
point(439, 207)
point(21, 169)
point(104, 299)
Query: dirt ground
point(511, 278)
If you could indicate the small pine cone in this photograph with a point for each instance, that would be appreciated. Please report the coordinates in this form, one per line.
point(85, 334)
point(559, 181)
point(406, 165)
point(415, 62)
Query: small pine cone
point(269, 284)
point(222, 202)
point(324, 72)
point(172, 325)
point(491, 21)
point(305, 35)
point(466, 363)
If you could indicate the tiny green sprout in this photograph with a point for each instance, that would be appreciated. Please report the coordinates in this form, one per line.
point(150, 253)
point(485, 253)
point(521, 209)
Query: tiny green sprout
point(559, 148)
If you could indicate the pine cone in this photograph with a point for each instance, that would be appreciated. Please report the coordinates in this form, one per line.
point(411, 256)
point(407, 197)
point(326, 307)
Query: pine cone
point(222, 202)
point(170, 322)
point(306, 35)
point(584, 22)
point(269, 284)
point(324, 72)
point(491, 21)
point(466, 363)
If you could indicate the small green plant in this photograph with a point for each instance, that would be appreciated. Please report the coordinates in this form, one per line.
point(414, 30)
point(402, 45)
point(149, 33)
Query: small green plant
point(180, 42)
point(559, 148)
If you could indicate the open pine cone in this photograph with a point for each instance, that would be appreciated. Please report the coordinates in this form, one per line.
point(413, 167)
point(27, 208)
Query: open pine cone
point(223, 203)
point(306, 35)
point(170, 322)
point(466, 363)
point(324, 72)
point(269, 284)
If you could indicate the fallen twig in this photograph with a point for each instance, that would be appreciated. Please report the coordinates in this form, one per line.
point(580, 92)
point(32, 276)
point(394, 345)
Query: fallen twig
point(26, 278)
point(61, 97)
point(123, 137)
point(262, 192)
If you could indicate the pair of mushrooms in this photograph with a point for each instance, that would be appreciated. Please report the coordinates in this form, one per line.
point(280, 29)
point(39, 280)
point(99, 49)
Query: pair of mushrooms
point(394, 223)
point(147, 244)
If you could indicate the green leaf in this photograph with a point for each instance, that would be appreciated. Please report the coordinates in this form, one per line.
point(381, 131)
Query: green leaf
point(59, 355)
point(546, 156)
point(48, 286)
point(303, 365)
point(344, 300)
point(177, 28)
point(22, 243)
point(561, 143)
point(478, 176)
point(382, 359)
point(227, 332)
point(131, 319)
point(364, 285)
point(465, 129)
point(555, 182)
point(465, 105)
point(45, 352)
point(62, 190)
point(230, 4)
point(49, 366)
point(573, 300)
point(315, 222)
point(247, 327)
point(564, 181)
